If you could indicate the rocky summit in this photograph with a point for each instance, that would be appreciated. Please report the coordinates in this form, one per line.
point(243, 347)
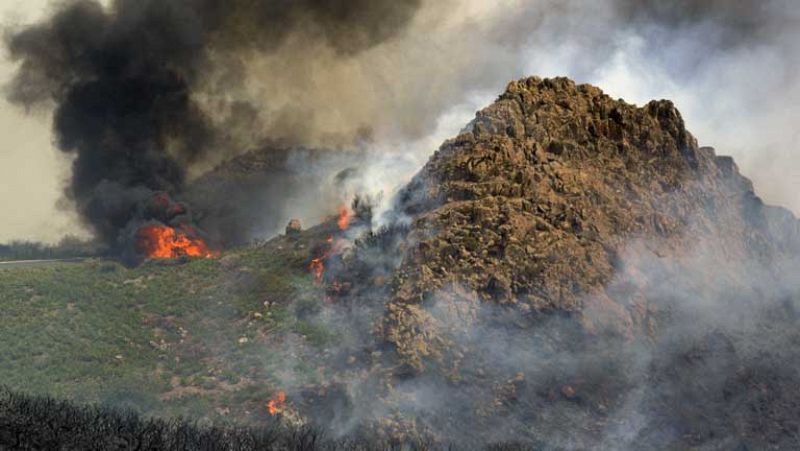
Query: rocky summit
point(573, 258)
point(535, 203)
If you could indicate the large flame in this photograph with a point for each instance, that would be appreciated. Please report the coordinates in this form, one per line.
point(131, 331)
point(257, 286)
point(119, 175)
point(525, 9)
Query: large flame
point(277, 404)
point(160, 241)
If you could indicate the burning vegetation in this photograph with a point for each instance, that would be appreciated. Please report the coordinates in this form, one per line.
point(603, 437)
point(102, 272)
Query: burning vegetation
point(277, 404)
point(317, 268)
point(160, 241)
point(126, 78)
point(166, 232)
point(345, 215)
point(333, 246)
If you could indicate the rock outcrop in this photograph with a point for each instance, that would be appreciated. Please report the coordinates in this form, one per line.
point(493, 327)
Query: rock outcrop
point(578, 270)
point(535, 203)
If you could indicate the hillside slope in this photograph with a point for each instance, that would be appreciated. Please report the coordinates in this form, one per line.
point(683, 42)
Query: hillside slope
point(202, 339)
point(570, 272)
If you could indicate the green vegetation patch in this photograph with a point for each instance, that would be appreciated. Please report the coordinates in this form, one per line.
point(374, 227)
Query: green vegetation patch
point(164, 338)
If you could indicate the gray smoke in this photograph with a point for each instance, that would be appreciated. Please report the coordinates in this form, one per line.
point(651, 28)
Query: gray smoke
point(713, 363)
point(731, 67)
point(395, 78)
point(126, 81)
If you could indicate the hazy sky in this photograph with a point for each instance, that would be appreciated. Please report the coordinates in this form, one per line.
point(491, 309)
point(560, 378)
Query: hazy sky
point(32, 171)
point(736, 86)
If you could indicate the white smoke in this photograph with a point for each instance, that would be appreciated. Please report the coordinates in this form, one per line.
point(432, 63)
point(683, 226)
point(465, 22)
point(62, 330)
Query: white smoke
point(732, 70)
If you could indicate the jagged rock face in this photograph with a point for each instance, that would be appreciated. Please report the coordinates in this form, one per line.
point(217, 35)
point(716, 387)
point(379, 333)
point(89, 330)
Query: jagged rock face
point(574, 272)
point(534, 205)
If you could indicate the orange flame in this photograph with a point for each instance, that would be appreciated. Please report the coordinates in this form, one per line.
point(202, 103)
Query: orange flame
point(344, 218)
point(317, 265)
point(317, 268)
point(277, 404)
point(160, 241)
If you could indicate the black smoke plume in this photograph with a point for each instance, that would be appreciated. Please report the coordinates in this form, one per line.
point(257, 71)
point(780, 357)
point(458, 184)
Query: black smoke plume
point(124, 81)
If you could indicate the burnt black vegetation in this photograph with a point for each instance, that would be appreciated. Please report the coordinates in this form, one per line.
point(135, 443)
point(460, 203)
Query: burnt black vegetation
point(42, 423)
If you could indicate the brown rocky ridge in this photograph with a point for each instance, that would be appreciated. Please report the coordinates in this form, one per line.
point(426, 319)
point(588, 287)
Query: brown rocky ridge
point(578, 270)
point(534, 205)
point(569, 272)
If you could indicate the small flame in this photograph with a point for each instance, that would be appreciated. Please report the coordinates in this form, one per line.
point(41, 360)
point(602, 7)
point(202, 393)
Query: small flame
point(160, 241)
point(317, 265)
point(345, 215)
point(317, 268)
point(335, 246)
point(277, 404)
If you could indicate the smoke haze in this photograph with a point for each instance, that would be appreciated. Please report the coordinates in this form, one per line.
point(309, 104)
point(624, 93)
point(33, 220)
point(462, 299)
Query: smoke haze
point(395, 78)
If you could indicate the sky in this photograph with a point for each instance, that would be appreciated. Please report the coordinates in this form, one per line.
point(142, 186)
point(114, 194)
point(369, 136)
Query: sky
point(28, 161)
point(730, 66)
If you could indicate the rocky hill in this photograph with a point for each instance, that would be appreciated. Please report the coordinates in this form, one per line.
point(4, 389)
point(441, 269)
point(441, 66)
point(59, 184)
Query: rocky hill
point(535, 205)
point(570, 272)
point(571, 257)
